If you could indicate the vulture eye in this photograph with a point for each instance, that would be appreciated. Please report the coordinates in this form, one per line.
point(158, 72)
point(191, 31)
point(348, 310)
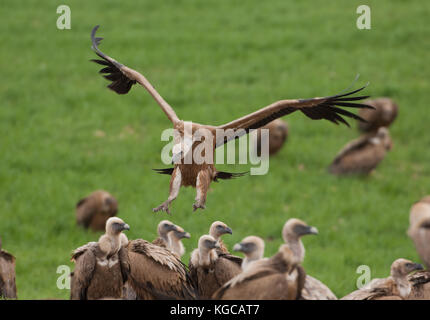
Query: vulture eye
point(219, 226)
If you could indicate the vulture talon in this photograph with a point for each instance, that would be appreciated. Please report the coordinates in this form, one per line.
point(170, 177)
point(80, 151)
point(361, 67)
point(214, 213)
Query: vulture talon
point(163, 207)
point(198, 206)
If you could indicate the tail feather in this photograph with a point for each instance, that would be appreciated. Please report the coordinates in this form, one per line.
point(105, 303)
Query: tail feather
point(228, 175)
point(168, 171)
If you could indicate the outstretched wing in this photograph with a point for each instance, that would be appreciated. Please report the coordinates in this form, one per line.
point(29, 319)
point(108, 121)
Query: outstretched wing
point(123, 78)
point(316, 108)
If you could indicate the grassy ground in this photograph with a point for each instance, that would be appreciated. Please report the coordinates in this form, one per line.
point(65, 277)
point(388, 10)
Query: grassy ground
point(63, 134)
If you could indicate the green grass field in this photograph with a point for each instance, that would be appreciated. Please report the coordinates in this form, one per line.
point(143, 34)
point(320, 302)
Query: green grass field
point(63, 134)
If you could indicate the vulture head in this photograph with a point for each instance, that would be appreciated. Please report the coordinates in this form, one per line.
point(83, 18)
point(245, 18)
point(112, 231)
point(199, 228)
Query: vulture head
point(401, 268)
point(218, 229)
point(164, 227)
point(115, 225)
point(296, 228)
point(252, 247)
point(207, 243)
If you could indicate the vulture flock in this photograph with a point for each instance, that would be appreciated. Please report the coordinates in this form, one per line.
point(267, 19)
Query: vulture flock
point(115, 267)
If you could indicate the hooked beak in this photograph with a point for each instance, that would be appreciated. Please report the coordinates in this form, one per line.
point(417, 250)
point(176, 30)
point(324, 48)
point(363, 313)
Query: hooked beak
point(417, 267)
point(125, 227)
point(313, 230)
point(228, 230)
point(185, 235)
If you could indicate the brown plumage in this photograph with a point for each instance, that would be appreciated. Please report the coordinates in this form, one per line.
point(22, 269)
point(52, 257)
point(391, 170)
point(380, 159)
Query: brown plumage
point(419, 229)
point(420, 285)
point(199, 173)
point(102, 267)
point(383, 115)
point(395, 287)
point(157, 273)
point(209, 269)
point(292, 232)
point(278, 134)
point(7, 275)
point(253, 249)
point(362, 155)
point(277, 278)
point(93, 211)
point(164, 227)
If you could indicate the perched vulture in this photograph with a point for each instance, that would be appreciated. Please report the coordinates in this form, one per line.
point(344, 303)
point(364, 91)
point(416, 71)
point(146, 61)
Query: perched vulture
point(175, 240)
point(395, 287)
point(7, 275)
point(278, 278)
point(164, 227)
point(156, 273)
point(419, 229)
point(383, 115)
point(93, 211)
point(198, 168)
point(362, 155)
point(278, 134)
point(292, 232)
point(101, 267)
point(253, 249)
point(209, 269)
point(217, 230)
point(420, 285)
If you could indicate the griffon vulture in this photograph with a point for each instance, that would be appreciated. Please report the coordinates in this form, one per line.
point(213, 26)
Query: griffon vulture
point(101, 267)
point(175, 240)
point(383, 115)
point(362, 155)
point(217, 230)
point(278, 134)
point(157, 273)
point(210, 269)
point(164, 227)
point(395, 287)
point(253, 249)
point(277, 278)
point(292, 232)
point(420, 281)
point(198, 170)
point(7, 275)
point(419, 229)
point(93, 211)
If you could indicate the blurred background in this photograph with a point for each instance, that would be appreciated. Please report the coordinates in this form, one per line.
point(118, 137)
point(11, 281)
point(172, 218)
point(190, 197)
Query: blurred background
point(63, 134)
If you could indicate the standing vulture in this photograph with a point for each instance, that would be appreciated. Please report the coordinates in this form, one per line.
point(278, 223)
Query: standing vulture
point(93, 211)
point(175, 240)
point(210, 269)
point(395, 287)
point(419, 229)
point(217, 230)
point(157, 273)
point(383, 115)
point(292, 232)
point(253, 249)
point(164, 227)
point(7, 275)
point(278, 134)
point(101, 267)
point(277, 278)
point(362, 155)
point(198, 170)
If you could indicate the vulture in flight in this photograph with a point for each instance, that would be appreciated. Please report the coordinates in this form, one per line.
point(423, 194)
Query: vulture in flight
point(362, 155)
point(209, 268)
point(383, 115)
point(175, 240)
point(278, 278)
point(396, 287)
point(292, 232)
point(278, 134)
point(101, 268)
point(419, 229)
point(189, 137)
point(7, 275)
point(164, 227)
point(253, 249)
point(93, 211)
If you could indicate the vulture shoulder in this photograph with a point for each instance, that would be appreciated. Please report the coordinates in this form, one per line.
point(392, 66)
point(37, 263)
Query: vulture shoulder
point(377, 289)
point(159, 242)
point(420, 282)
point(85, 263)
point(316, 290)
point(157, 273)
point(7, 275)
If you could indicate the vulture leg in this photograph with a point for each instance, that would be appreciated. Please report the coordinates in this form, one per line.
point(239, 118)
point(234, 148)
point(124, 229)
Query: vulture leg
point(202, 186)
point(175, 185)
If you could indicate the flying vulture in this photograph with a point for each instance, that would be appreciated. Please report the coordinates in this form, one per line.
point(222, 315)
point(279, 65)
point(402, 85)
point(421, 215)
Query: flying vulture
point(93, 211)
point(383, 115)
point(199, 171)
point(396, 287)
point(362, 155)
point(278, 278)
point(7, 275)
point(419, 229)
point(278, 134)
point(253, 249)
point(211, 269)
point(101, 267)
point(175, 240)
point(292, 232)
point(164, 227)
